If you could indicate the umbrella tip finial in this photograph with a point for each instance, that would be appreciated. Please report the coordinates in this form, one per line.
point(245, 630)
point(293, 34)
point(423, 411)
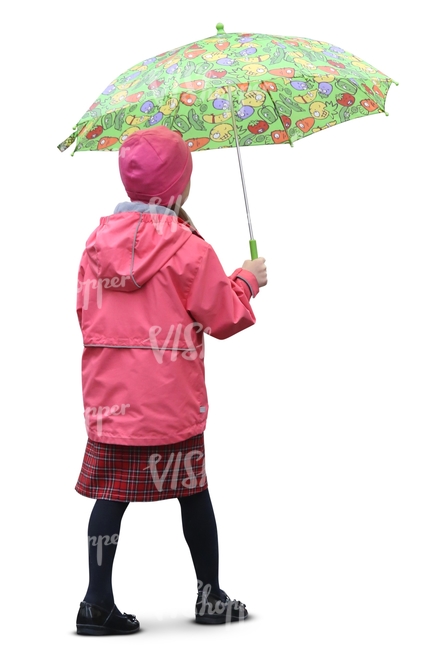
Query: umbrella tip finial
point(220, 28)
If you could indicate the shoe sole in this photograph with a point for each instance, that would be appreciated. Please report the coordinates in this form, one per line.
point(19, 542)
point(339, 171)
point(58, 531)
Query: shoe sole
point(96, 630)
point(212, 620)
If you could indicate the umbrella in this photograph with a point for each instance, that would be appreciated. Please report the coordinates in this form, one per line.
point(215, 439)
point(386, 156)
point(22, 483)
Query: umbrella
point(238, 89)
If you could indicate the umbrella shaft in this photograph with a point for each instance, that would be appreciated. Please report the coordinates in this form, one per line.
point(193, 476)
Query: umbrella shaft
point(241, 166)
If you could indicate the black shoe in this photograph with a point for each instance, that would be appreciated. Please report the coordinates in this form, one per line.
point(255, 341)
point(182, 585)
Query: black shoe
point(212, 609)
point(97, 621)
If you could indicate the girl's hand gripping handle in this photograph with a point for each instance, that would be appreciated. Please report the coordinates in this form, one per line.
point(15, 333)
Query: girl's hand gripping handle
point(258, 268)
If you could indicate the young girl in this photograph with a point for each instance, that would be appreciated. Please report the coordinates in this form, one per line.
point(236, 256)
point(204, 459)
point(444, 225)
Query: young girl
point(149, 288)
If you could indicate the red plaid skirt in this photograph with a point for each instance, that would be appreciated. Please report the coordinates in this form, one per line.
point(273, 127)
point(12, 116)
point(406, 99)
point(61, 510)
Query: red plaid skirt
point(127, 473)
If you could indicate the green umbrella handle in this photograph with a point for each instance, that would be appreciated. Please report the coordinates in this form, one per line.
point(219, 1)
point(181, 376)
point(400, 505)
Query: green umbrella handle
point(253, 249)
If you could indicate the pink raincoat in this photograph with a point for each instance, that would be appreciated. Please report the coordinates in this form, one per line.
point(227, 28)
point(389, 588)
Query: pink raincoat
point(148, 290)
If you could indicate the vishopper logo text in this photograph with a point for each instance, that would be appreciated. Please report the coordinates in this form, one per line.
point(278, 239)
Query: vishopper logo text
point(98, 284)
point(160, 217)
point(172, 468)
point(100, 542)
point(172, 341)
point(96, 414)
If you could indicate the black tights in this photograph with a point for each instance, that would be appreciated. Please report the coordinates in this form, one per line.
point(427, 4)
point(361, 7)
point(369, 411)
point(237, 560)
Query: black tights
point(200, 532)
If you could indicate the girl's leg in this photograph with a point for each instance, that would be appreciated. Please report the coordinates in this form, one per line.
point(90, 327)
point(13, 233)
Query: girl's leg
point(200, 532)
point(103, 535)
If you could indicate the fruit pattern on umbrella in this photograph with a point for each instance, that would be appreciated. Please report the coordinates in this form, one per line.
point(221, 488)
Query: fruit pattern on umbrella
point(283, 88)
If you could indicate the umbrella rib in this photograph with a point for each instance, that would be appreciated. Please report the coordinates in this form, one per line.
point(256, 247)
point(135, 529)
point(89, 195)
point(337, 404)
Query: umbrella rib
point(284, 126)
point(176, 111)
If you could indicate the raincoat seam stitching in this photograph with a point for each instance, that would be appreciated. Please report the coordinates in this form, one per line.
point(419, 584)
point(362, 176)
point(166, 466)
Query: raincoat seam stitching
point(133, 251)
point(194, 277)
point(136, 347)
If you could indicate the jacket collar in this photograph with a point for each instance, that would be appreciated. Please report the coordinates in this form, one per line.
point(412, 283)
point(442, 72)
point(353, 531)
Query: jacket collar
point(140, 206)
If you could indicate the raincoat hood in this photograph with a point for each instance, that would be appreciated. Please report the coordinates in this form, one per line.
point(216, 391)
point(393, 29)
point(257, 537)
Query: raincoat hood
point(129, 247)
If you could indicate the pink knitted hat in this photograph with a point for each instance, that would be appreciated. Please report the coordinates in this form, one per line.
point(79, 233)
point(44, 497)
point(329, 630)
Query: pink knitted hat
point(155, 163)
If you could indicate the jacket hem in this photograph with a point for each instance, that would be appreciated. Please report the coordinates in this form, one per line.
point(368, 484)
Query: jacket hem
point(145, 440)
point(137, 347)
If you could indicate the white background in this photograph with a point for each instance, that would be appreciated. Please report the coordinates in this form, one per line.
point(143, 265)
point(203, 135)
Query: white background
point(325, 439)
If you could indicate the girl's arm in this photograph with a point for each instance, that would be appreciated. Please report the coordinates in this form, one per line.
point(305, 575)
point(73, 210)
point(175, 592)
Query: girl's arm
point(218, 302)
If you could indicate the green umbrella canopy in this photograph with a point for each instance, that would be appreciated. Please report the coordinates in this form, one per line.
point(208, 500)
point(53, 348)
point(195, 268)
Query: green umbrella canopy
point(271, 89)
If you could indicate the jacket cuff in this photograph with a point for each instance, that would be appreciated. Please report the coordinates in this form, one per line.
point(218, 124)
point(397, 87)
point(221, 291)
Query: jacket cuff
point(247, 280)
